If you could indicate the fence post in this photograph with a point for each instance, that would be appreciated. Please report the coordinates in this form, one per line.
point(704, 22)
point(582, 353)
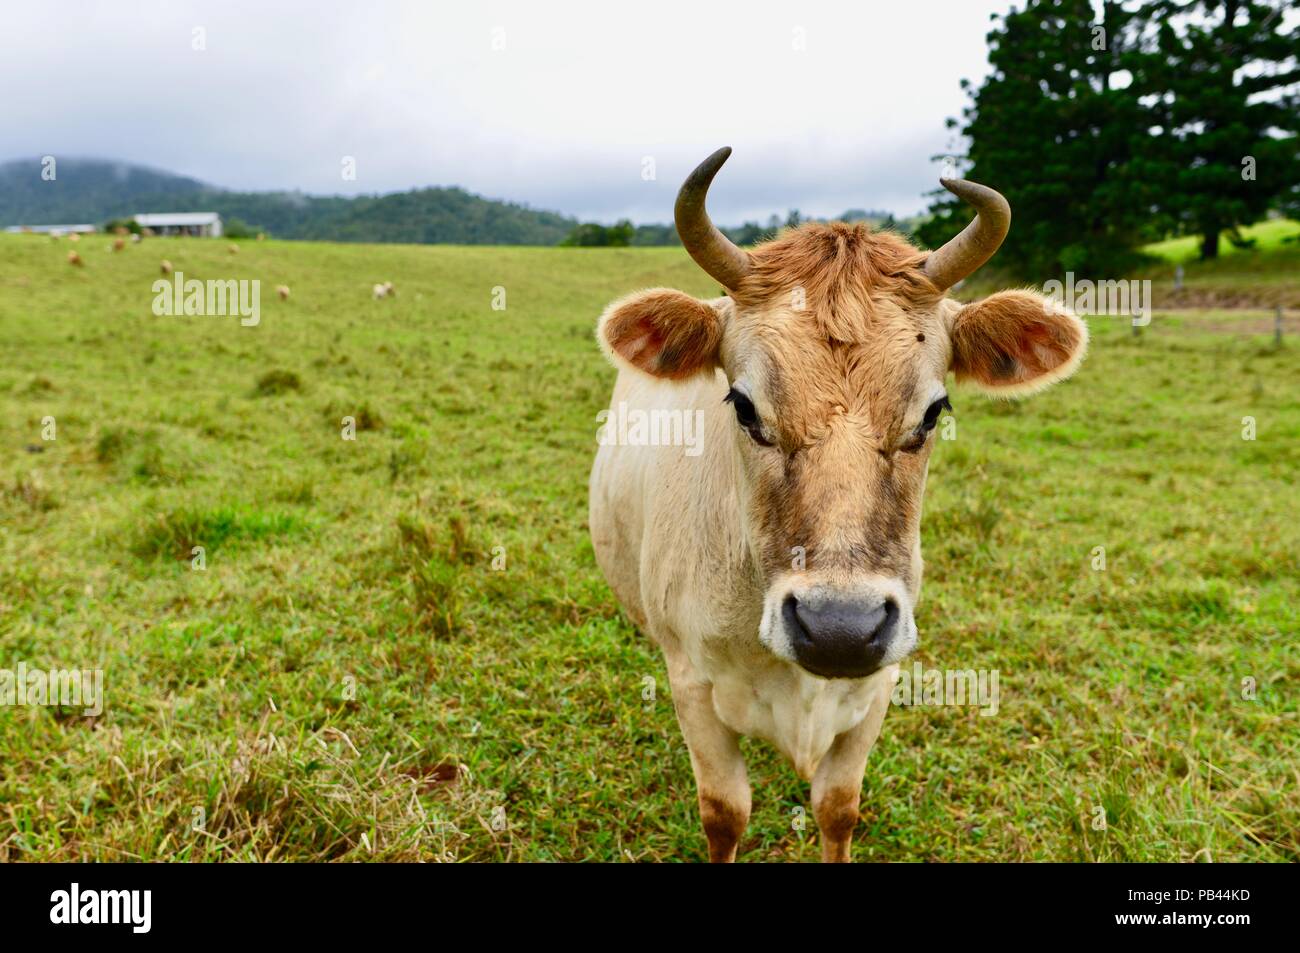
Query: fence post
point(1277, 326)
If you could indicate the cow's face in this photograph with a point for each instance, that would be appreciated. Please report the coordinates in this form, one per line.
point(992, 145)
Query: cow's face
point(837, 349)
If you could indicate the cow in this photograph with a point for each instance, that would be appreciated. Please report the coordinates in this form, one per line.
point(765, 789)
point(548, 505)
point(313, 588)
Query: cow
point(777, 564)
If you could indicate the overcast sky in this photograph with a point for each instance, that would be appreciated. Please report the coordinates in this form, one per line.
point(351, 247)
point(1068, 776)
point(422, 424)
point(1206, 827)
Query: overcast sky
point(557, 104)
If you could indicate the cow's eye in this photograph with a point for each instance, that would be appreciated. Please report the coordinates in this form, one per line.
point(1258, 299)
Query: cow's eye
point(933, 411)
point(747, 416)
point(917, 438)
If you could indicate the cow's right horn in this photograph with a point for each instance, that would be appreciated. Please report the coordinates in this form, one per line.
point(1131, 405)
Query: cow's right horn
point(712, 250)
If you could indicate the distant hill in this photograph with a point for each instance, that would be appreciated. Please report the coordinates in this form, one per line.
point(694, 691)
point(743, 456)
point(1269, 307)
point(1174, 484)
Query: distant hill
point(97, 190)
point(84, 190)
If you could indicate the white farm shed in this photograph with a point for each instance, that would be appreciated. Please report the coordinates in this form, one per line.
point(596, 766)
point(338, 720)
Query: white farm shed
point(202, 224)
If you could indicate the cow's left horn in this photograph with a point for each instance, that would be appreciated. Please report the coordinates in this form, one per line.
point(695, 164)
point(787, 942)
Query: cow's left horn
point(712, 250)
point(977, 242)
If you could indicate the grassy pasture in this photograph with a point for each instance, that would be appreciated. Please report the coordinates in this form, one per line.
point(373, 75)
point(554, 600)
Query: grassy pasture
point(1272, 235)
point(1266, 276)
point(350, 678)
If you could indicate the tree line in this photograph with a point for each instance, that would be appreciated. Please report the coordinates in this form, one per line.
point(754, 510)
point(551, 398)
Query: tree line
point(624, 234)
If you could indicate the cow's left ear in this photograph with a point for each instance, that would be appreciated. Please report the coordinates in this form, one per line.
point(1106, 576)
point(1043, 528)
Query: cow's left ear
point(1014, 343)
point(664, 333)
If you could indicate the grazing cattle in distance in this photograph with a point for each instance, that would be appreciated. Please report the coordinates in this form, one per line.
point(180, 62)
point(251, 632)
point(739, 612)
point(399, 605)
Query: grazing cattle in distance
point(282, 291)
point(165, 267)
point(383, 291)
point(74, 259)
point(119, 244)
point(777, 564)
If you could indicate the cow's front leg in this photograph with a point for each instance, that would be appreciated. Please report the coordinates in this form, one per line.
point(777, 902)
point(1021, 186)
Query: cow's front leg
point(720, 775)
point(837, 784)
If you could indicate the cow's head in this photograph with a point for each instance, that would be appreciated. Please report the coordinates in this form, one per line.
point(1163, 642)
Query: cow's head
point(836, 342)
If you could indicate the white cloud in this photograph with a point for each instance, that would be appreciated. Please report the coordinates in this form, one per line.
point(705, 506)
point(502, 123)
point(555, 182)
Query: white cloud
point(560, 118)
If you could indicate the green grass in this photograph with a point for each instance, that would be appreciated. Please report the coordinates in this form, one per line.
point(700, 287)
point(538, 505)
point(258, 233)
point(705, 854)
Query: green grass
point(401, 648)
point(1279, 234)
point(1266, 276)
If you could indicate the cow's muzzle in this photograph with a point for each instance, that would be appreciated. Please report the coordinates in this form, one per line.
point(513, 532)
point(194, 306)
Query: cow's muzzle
point(841, 637)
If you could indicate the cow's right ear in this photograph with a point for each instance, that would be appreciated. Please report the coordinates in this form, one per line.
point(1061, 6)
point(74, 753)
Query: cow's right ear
point(663, 333)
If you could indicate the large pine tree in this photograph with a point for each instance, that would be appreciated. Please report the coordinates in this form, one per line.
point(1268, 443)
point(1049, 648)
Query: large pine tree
point(1165, 116)
point(1051, 132)
point(1219, 80)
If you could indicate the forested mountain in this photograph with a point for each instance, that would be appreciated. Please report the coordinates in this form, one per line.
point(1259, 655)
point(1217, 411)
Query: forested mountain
point(95, 191)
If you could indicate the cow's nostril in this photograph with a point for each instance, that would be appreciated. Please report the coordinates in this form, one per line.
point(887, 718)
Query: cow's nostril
point(793, 624)
point(888, 620)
